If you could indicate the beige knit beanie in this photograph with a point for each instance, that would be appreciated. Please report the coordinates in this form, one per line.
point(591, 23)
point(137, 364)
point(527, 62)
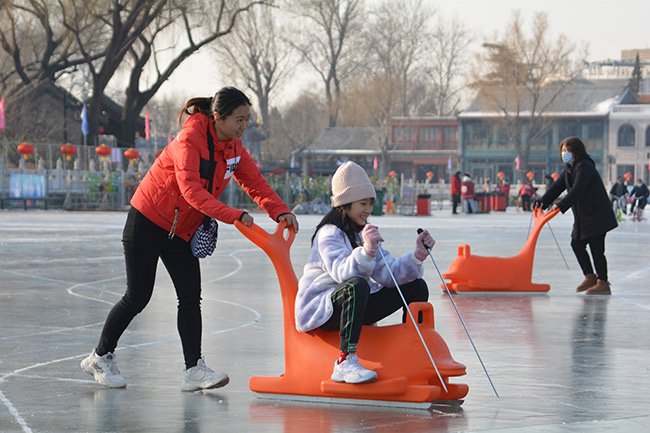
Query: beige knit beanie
point(350, 183)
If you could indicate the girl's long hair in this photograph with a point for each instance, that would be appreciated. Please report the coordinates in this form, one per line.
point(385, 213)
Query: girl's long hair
point(340, 219)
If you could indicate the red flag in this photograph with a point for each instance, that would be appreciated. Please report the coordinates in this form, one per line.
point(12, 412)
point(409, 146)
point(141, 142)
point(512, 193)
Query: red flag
point(146, 126)
point(2, 114)
point(517, 162)
point(374, 163)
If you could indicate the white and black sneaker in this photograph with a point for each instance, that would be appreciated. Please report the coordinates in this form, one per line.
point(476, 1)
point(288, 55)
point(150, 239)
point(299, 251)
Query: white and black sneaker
point(203, 377)
point(104, 369)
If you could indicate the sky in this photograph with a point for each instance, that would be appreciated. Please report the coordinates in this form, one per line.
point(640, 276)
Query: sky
point(608, 26)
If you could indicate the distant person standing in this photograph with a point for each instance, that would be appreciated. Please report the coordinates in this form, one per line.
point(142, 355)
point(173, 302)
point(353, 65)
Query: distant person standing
point(455, 192)
point(487, 186)
point(467, 194)
point(592, 212)
point(527, 193)
point(504, 188)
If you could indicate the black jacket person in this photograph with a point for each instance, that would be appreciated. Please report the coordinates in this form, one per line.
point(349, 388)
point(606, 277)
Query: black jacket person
point(592, 212)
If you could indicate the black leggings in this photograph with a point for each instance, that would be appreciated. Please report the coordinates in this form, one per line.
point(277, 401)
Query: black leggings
point(144, 242)
point(597, 247)
point(355, 306)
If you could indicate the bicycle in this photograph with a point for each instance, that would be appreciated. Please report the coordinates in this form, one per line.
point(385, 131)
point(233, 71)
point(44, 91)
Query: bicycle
point(620, 207)
point(637, 214)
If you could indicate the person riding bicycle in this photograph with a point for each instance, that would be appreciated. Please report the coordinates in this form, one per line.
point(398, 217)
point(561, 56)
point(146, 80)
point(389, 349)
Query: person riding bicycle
point(618, 195)
point(639, 195)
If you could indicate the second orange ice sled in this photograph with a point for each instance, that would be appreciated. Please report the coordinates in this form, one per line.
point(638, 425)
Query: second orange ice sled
point(471, 273)
point(406, 376)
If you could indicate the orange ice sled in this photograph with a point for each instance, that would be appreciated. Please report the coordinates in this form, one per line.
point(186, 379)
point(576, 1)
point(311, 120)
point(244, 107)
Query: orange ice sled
point(406, 376)
point(470, 273)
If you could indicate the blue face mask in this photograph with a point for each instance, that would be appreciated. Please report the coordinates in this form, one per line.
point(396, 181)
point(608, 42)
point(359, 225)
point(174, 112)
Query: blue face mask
point(567, 157)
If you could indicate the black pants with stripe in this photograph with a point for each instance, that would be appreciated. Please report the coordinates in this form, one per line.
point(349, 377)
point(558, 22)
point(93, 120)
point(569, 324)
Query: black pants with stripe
point(355, 306)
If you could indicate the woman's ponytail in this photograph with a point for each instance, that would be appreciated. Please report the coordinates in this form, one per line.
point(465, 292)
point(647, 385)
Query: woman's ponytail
point(197, 105)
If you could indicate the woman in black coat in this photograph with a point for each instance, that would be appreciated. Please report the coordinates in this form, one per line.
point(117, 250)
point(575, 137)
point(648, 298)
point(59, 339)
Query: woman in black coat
point(592, 212)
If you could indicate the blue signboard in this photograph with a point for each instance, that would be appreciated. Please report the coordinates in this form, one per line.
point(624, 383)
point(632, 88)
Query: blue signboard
point(27, 185)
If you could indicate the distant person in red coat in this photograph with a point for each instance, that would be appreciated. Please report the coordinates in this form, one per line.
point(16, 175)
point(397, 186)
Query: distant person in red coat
point(467, 193)
point(527, 192)
point(455, 192)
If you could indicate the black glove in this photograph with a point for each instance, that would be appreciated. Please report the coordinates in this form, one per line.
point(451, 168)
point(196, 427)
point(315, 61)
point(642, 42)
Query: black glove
point(538, 203)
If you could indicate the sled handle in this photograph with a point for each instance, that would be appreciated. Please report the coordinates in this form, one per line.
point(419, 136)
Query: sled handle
point(266, 240)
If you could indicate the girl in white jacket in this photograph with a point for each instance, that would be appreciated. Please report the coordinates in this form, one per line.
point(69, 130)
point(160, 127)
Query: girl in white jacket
point(346, 283)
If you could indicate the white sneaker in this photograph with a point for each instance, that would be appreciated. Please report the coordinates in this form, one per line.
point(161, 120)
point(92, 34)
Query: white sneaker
point(350, 371)
point(104, 369)
point(203, 377)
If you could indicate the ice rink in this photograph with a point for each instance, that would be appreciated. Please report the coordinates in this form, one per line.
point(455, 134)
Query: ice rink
point(560, 361)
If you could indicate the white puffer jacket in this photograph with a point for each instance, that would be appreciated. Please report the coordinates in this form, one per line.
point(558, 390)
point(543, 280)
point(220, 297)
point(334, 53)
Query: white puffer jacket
point(331, 262)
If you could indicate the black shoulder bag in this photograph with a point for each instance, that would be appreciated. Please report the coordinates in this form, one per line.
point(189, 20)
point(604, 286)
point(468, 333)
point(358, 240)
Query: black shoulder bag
point(204, 240)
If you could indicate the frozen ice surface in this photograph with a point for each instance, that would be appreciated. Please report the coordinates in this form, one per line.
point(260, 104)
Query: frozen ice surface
point(561, 362)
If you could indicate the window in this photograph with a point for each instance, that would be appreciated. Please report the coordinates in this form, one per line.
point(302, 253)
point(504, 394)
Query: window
point(622, 169)
point(594, 131)
point(647, 137)
point(569, 129)
point(403, 133)
point(478, 131)
point(429, 133)
point(626, 135)
point(450, 134)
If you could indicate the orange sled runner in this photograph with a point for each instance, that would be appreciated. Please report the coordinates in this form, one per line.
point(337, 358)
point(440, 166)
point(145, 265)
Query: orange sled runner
point(470, 273)
point(407, 377)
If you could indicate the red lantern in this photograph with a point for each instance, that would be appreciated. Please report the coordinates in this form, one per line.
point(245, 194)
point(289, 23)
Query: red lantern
point(554, 176)
point(103, 151)
point(131, 154)
point(68, 150)
point(430, 174)
point(530, 175)
point(501, 175)
point(26, 149)
point(627, 176)
point(392, 174)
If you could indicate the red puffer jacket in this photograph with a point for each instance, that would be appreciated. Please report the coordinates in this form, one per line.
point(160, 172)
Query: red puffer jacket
point(174, 186)
point(455, 185)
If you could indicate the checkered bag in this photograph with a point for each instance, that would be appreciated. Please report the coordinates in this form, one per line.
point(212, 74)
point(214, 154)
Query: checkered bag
point(204, 239)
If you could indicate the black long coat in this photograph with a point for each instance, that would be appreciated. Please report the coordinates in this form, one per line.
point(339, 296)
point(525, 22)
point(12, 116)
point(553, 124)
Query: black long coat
point(586, 196)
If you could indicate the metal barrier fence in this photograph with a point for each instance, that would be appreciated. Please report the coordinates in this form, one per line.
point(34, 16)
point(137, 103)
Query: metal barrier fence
point(47, 178)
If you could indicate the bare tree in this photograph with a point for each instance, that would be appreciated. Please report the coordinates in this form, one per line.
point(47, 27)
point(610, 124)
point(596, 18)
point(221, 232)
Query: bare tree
point(131, 30)
point(524, 76)
point(445, 64)
point(300, 124)
point(396, 42)
point(35, 49)
point(394, 46)
point(327, 40)
point(118, 24)
point(147, 53)
point(259, 57)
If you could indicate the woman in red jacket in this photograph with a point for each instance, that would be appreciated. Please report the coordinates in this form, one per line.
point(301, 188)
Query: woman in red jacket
point(455, 192)
point(166, 209)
